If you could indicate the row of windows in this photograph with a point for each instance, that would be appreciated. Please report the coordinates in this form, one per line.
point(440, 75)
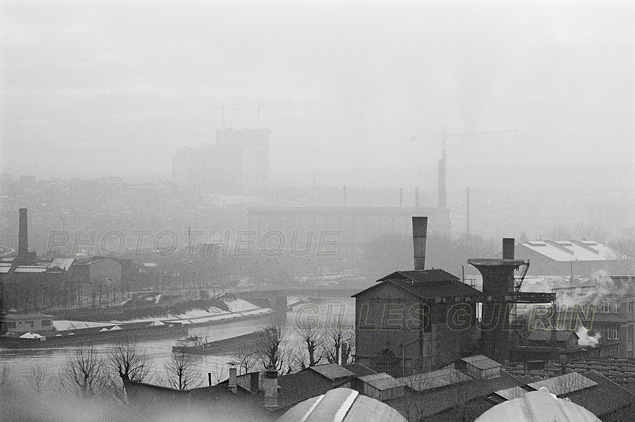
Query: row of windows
point(614, 307)
point(611, 333)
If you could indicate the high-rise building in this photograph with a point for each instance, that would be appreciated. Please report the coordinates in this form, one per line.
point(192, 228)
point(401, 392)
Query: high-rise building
point(238, 161)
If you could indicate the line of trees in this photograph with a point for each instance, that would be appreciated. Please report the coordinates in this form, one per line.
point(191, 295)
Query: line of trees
point(333, 342)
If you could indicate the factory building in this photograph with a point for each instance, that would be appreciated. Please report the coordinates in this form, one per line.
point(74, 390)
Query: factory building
point(580, 258)
point(30, 284)
point(415, 321)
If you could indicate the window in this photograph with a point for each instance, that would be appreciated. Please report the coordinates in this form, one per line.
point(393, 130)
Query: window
point(614, 333)
point(605, 332)
point(629, 331)
point(631, 307)
point(609, 307)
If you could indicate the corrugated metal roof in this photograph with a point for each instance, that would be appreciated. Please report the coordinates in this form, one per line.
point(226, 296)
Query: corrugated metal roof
point(332, 371)
point(545, 335)
point(382, 381)
point(538, 406)
point(481, 362)
point(572, 250)
point(511, 393)
point(564, 384)
point(435, 379)
point(341, 405)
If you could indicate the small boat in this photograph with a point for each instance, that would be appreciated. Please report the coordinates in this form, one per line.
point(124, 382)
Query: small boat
point(192, 344)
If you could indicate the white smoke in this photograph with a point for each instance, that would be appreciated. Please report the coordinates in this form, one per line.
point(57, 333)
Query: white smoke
point(584, 340)
point(601, 287)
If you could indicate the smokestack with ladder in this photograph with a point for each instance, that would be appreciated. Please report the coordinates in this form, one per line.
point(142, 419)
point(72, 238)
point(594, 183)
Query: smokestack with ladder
point(419, 235)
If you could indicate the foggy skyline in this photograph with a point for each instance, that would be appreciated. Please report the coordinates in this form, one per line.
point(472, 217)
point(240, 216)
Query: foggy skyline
point(115, 88)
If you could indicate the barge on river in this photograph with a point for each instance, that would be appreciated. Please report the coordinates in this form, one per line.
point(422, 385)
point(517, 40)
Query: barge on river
point(201, 346)
point(38, 331)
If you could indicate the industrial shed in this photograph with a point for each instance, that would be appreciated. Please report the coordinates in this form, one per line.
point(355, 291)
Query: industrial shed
point(381, 386)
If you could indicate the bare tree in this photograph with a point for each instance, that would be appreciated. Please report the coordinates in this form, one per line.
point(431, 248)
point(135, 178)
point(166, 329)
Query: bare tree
point(129, 360)
point(83, 372)
point(5, 375)
point(37, 379)
point(181, 372)
point(246, 359)
point(339, 343)
point(270, 347)
point(311, 337)
point(219, 373)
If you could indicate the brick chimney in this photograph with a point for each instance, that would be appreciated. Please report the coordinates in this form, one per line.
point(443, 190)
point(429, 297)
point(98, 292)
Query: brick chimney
point(419, 234)
point(270, 385)
point(508, 247)
point(233, 386)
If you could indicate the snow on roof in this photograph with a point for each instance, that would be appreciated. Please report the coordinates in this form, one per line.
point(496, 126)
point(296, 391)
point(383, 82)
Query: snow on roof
point(572, 250)
point(511, 393)
point(30, 335)
point(31, 269)
point(481, 362)
point(63, 263)
point(382, 381)
point(332, 371)
point(435, 379)
point(564, 384)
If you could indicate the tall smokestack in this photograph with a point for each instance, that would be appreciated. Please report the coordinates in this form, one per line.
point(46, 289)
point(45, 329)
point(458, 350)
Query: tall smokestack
point(400, 197)
point(23, 237)
point(441, 203)
point(419, 234)
point(467, 213)
point(416, 197)
point(508, 248)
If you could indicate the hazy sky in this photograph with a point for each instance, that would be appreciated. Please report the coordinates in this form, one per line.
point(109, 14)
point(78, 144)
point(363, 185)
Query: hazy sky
point(113, 88)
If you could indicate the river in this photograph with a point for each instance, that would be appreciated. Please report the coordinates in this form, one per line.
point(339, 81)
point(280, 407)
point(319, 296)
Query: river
point(20, 362)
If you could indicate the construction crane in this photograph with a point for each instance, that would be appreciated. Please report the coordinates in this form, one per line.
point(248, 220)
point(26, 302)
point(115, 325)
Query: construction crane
point(259, 105)
point(222, 110)
point(441, 193)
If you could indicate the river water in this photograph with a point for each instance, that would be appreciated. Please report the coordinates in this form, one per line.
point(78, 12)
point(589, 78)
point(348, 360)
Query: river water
point(21, 361)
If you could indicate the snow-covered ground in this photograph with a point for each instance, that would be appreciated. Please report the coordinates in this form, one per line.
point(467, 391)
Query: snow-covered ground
point(240, 305)
point(237, 308)
point(62, 325)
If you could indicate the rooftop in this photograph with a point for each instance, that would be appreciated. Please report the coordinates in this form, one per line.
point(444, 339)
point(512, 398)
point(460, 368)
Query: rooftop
point(573, 250)
point(481, 362)
point(428, 284)
point(381, 381)
point(332, 371)
point(343, 405)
